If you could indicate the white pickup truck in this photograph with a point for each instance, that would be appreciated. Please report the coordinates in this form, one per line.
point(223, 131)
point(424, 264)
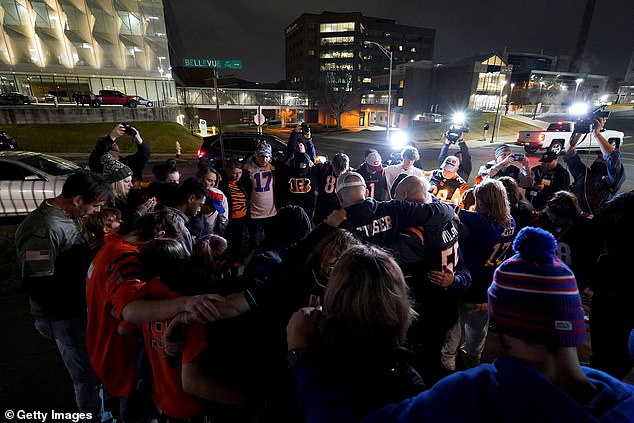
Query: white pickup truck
point(555, 137)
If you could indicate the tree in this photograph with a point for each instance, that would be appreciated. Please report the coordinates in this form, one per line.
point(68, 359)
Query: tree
point(335, 95)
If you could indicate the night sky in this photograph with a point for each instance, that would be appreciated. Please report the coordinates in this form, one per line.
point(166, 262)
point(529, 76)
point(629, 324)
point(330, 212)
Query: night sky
point(253, 31)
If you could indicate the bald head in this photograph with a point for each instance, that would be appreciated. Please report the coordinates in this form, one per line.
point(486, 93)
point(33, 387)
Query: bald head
point(413, 188)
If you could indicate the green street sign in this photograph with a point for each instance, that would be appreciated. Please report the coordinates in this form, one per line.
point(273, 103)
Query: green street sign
point(212, 63)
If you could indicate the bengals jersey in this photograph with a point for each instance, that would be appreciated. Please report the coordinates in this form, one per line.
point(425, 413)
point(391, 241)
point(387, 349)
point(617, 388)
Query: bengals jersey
point(295, 189)
point(447, 190)
point(327, 200)
point(375, 183)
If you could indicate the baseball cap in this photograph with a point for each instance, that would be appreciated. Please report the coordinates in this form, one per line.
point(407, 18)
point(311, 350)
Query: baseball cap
point(451, 163)
point(548, 156)
point(349, 179)
point(373, 160)
point(501, 149)
point(301, 162)
point(534, 295)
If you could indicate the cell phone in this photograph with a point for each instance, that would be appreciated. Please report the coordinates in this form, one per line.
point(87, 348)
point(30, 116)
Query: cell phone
point(518, 157)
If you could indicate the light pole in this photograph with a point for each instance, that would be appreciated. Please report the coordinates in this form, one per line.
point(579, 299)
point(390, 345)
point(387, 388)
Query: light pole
point(541, 84)
point(496, 123)
point(389, 87)
point(577, 81)
point(510, 99)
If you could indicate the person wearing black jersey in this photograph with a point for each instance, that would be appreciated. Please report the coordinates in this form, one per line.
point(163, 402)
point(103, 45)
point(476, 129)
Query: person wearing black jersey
point(327, 174)
point(297, 183)
point(380, 221)
point(436, 272)
point(372, 171)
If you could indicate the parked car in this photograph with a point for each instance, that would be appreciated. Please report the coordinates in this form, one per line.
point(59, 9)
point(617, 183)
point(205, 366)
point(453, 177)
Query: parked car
point(14, 99)
point(238, 147)
point(116, 97)
point(145, 102)
point(28, 178)
point(7, 142)
point(554, 138)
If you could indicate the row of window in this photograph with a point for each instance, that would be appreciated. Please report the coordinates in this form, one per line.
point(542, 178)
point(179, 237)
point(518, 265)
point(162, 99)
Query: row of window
point(336, 27)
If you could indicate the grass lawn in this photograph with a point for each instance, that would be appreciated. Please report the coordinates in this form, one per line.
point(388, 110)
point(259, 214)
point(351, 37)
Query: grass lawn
point(81, 137)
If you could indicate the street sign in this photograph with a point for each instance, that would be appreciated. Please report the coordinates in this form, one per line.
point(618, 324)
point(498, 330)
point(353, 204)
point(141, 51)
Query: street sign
point(212, 63)
point(259, 119)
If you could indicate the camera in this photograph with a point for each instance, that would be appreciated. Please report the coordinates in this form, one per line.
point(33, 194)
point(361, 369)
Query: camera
point(518, 157)
point(585, 124)
point(129, 129)
point(305, 128)
point(455, 131)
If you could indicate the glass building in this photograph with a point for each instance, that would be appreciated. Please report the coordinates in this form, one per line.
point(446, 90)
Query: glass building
point(59, 47)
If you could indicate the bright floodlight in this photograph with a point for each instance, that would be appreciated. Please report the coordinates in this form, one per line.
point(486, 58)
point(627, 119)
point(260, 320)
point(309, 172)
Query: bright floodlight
point(398, 139)
point(458, 117)
point(579, 109)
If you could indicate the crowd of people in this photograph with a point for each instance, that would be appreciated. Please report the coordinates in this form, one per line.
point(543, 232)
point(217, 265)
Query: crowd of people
point(283, 289)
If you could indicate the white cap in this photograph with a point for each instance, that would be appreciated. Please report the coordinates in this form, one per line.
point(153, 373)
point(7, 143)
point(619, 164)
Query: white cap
point(373, 159)
point(349, 179)
point(451, 163)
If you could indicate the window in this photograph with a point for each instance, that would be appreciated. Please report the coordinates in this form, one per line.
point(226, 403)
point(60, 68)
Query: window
point(336, 27)
point(329, 41)
point(401, 83)
point(400, 48)
point(412, 50)
point(329, 66)
point(367, 80)
point(338, 54)
point(400, 102)
point(311, 52)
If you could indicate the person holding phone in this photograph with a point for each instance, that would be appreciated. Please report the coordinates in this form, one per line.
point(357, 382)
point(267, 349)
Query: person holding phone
point(550, 177)
point(508, 164)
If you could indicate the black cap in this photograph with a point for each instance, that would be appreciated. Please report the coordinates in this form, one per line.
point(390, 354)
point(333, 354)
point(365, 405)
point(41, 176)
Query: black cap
point(548, 156)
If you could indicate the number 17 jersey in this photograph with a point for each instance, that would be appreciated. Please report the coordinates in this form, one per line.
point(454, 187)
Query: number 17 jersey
point(261, 198)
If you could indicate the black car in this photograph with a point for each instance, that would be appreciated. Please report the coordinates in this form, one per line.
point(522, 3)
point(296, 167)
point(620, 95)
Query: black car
point(14, 98)
point(238, 147)
point(7, 142)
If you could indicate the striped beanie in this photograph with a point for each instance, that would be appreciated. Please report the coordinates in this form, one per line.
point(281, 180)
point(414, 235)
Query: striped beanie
point(534, 295)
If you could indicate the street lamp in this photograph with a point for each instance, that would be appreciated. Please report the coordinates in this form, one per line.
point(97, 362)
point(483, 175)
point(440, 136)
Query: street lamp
point(496, 123)
point(389, 87)
point(541, 84)
point(577, 81)
point(509, 100)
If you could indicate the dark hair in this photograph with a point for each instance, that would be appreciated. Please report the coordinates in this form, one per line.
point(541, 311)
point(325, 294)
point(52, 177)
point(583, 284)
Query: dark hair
point(89, 185)
point(162, 170)
point(512, 192)
point(148, 226)
point(289, 225)
point(190, 186)
point(235, 164)
point(159, 252)
point(204, 170)
point(615, 222)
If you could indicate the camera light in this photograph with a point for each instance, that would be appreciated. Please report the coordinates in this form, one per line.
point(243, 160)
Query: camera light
point(579, 109)
point(458, 117)
point(398, 139)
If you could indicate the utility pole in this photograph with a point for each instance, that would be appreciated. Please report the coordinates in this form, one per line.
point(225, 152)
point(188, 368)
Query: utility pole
point(582, 39)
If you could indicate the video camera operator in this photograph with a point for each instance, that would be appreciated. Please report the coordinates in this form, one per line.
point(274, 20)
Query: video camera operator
point(599, 182)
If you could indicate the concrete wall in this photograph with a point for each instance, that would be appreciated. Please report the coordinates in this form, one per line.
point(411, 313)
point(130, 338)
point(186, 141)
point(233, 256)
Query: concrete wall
point(75, 114)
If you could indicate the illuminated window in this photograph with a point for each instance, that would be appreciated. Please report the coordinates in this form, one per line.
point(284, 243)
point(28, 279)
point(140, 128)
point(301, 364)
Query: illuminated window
point(329, 66)
point(400, 48)
point(367, 80)
point(401, 83)
point(311, 52)
point(339, 54)
point(331, 41)
point(399, 102)
point(336, 27)
point(412, 50)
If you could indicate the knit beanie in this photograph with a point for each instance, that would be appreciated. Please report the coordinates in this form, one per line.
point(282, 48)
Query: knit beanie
point(263, 149)
point(534, 295)
point(501, 149)
point(114, 171)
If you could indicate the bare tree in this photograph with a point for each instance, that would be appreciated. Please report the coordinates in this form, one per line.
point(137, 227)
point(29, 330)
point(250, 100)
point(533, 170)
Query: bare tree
point(335, 95)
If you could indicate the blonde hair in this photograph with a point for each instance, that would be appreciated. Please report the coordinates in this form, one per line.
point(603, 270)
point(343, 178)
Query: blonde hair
point(366, 301)
point(491, 199)
point(119, 191)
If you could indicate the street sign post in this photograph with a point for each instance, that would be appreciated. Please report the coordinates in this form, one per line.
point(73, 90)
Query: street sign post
point(202, 63)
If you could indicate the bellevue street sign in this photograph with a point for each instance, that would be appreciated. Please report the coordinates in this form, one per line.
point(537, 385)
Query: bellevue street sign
point(212, 63)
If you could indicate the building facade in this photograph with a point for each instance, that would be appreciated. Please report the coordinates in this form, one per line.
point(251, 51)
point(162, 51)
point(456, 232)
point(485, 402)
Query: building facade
point(326, 52)
point(57, 48)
